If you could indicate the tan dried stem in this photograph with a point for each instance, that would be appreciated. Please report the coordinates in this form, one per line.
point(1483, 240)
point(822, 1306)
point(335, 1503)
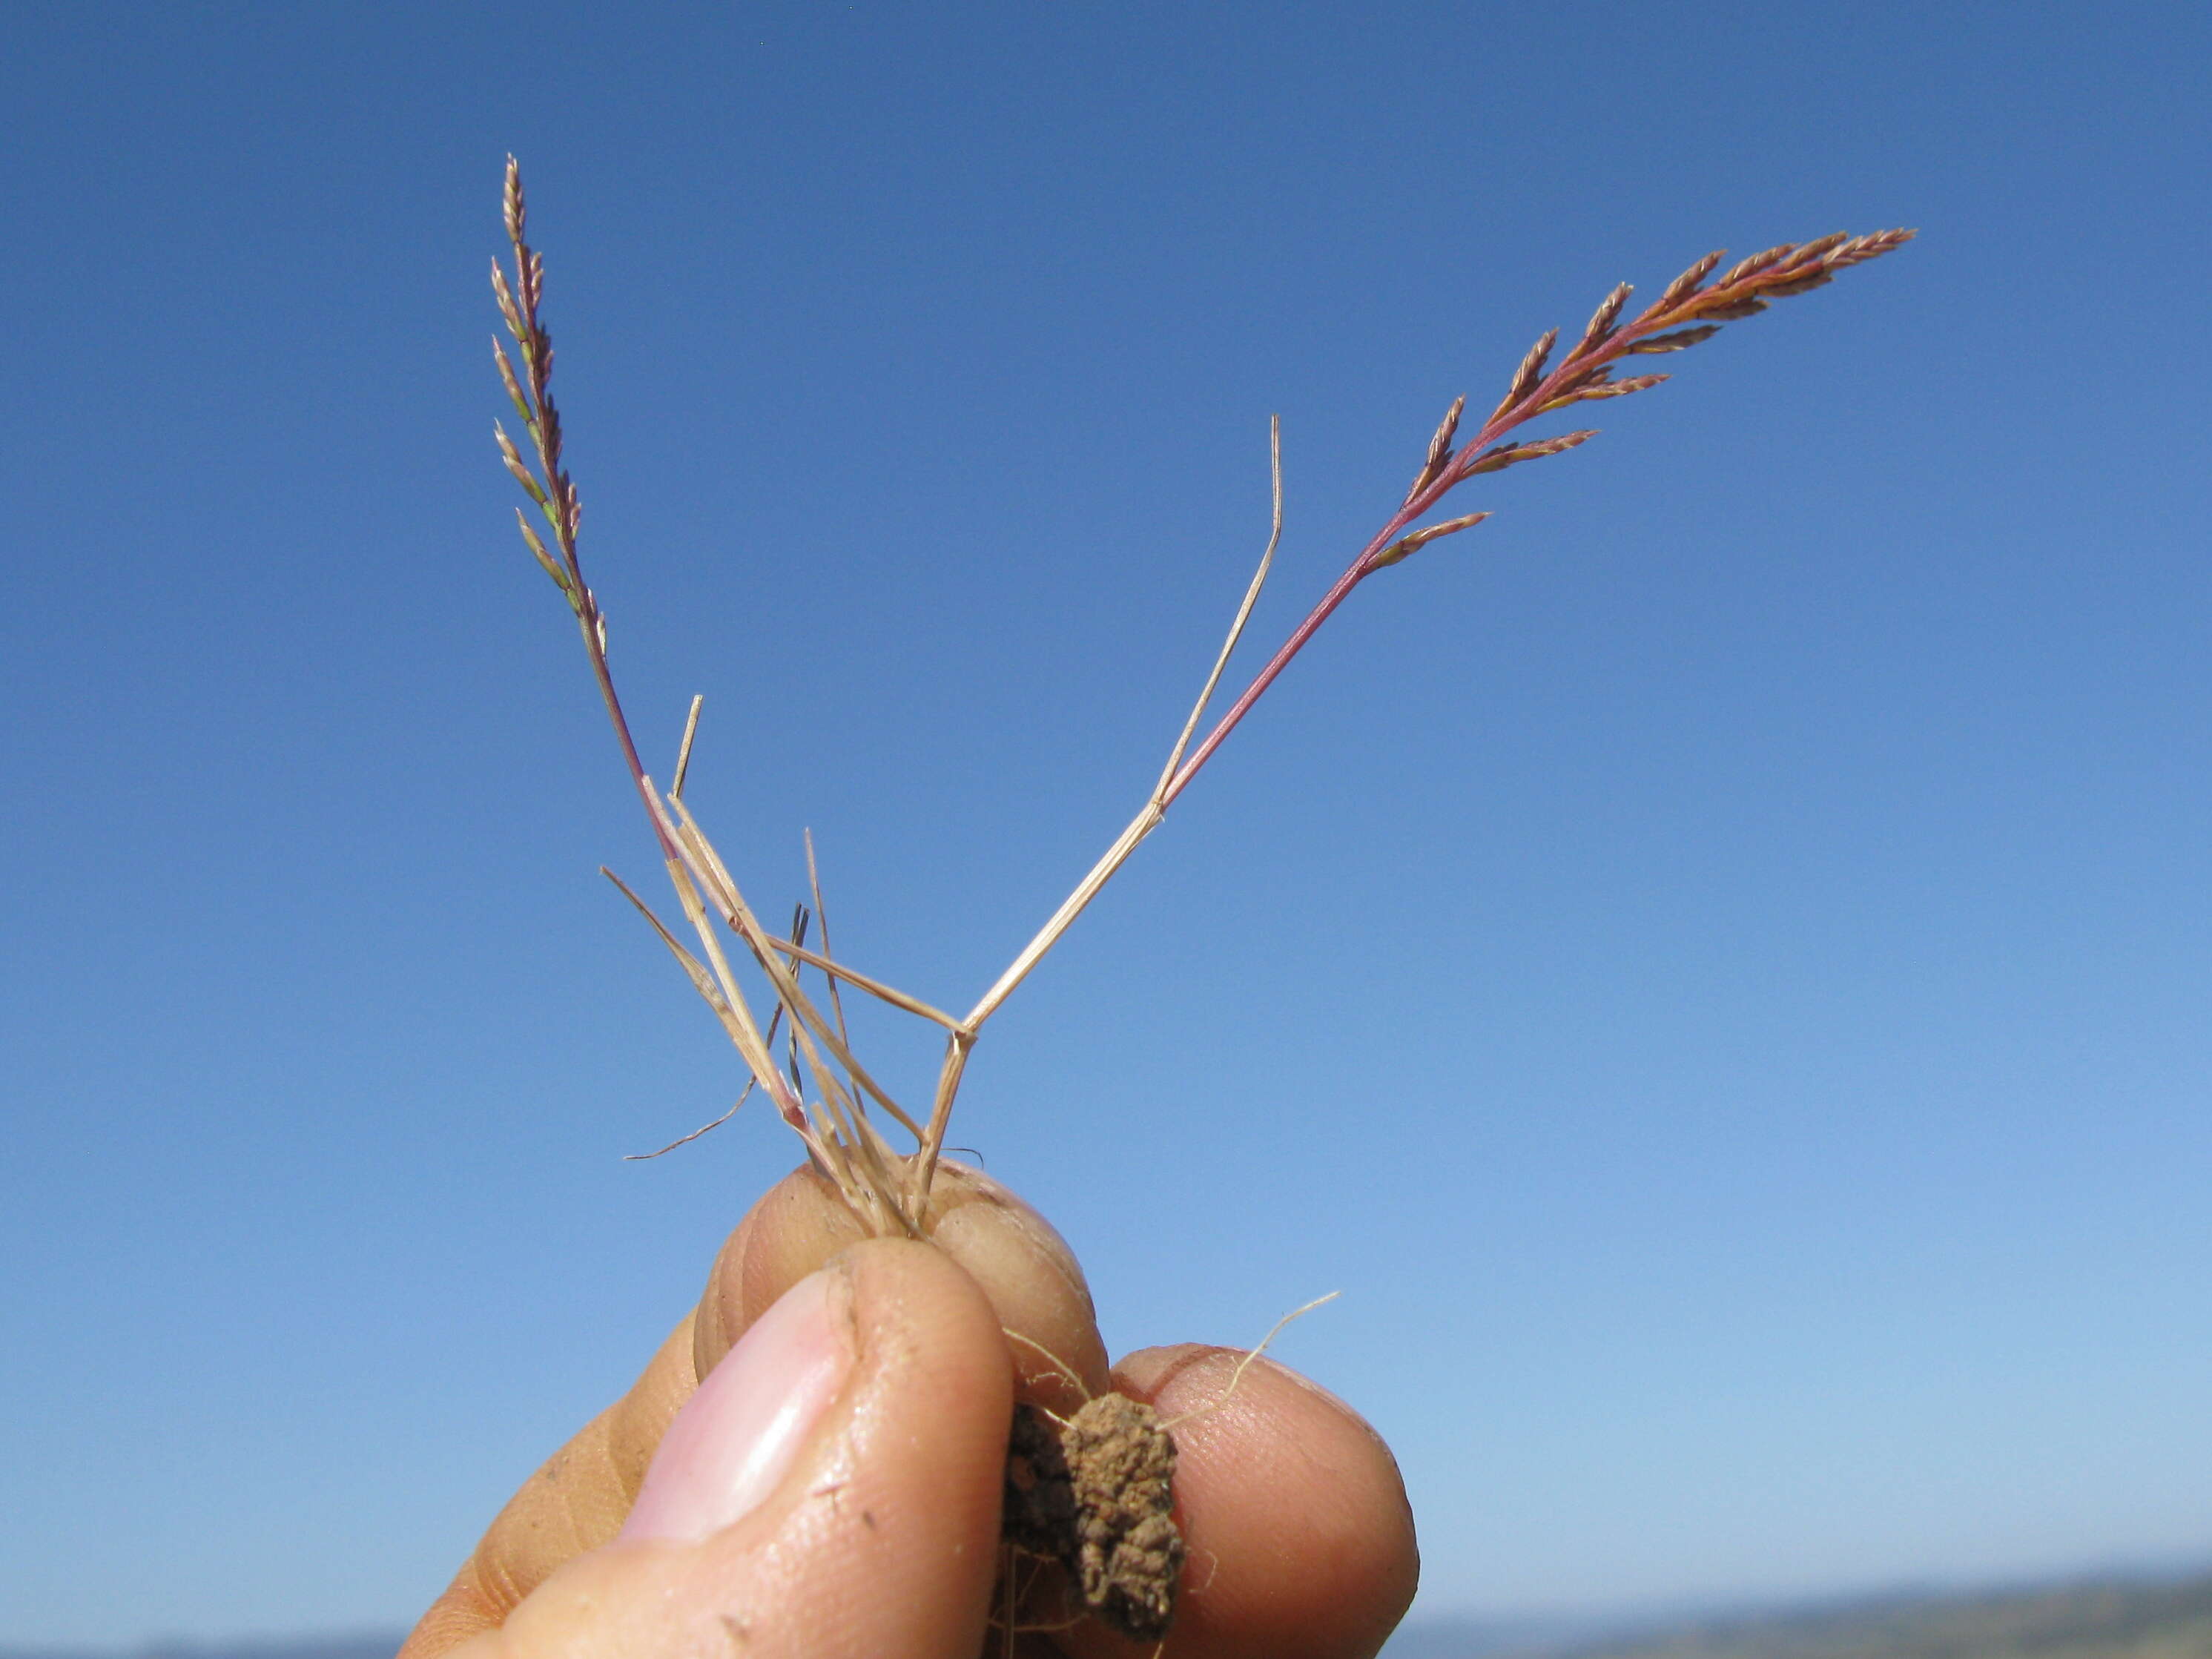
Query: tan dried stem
point(683, 751)
point(1148, 817)
point(835, 1128)
point(705, 866)
point(776, 1019)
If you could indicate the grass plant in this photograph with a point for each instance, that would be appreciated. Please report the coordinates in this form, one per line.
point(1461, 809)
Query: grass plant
point(841, 1116)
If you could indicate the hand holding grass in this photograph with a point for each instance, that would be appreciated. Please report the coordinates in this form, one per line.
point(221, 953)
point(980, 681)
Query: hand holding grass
point(860, 1508)
point(834, 1488)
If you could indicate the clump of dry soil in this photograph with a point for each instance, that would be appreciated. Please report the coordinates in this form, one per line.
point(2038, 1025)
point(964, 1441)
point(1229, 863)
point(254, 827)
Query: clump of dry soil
point(1094, 1492)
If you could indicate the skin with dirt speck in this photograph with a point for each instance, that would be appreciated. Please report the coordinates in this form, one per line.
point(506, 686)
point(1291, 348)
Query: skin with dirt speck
point(1300, 1544)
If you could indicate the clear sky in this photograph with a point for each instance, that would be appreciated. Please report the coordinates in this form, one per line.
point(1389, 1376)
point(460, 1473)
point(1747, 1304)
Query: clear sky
point(1713, 963)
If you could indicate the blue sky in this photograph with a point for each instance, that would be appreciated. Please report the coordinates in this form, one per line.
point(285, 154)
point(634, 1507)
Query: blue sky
point(1712, 963)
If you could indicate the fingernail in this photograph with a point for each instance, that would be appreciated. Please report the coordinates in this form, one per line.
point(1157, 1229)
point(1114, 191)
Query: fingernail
point(736, 1437)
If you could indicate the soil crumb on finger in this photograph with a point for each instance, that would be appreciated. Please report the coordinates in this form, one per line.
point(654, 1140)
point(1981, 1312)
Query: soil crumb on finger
point(1096, 1493)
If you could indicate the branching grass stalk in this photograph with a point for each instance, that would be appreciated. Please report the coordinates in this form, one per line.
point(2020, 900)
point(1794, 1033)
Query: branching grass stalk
point(890, 1192)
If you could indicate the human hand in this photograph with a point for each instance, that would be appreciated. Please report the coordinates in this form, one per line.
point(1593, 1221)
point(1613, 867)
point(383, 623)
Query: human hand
point(832, 1487)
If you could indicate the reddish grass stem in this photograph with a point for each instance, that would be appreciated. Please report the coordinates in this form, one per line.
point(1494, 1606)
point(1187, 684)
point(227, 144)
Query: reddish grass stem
point(1745, 290)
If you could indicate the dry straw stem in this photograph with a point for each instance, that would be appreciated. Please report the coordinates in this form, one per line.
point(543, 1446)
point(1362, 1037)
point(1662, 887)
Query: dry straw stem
point(888, 1190)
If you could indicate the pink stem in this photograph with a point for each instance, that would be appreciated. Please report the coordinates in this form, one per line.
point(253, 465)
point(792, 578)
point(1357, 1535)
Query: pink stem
point(1363, 566)
point(1358, 570)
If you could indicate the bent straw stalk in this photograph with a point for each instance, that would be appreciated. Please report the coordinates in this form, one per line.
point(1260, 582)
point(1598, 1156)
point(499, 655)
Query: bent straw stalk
point(887, 1190)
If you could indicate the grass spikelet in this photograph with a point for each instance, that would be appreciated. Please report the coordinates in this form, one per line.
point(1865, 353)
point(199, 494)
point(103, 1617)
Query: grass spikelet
point(1440, 447)
point(1681, 340)
point(1756, 262)
point(1600, 323)
point(1603, 385)
point(1690, 279)
point(1497, 460)
point(1531, 367)
point(1405, 545)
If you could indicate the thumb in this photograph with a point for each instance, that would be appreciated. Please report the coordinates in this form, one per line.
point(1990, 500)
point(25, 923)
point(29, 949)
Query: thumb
point(831, 1489)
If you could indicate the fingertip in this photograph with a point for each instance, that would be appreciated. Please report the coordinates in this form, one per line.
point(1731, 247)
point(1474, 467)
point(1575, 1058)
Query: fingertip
point(1300, 1536)
point(796, 1227)
point(1022, 1264)
point(758, 1410)
point(885, 1541)
point(1034, 1285)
